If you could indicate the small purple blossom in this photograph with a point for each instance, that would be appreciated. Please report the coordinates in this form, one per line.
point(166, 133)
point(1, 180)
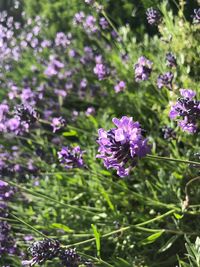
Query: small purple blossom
point(57, 123)
point(6, 192)
point(143, 69)
point(71, 157)
point(90, 24)
point(103, 23)
point(101, 71)
point(79, 17)
point(165, 80)
point(153, 16)
point(186, 111)
point(121, 147)
point(196, 16)
point(120, 86)
point(171, 60)
point(62, 40)
point(90, 111)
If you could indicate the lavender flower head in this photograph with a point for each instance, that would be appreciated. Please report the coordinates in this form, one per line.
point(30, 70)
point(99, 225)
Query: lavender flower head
point(171, 60)
point(186, 110)
point(121, 147)
point(41, 251)
point(153, 16)
point(165, 80)
point(101, 71)
point(57, 123)
point(71, 157)
point(120, 86)
point(143, 69)
point(196, 16)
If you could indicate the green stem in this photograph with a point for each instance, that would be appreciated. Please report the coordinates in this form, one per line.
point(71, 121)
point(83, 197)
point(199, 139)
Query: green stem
point(172, 159)
point(29, 226)
point(122, 229)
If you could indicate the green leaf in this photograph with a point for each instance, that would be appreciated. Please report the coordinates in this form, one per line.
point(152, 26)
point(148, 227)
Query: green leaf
point(70, 133)
point(152, 238)
point(178, 216)
point(97, 239)
point(62, 227)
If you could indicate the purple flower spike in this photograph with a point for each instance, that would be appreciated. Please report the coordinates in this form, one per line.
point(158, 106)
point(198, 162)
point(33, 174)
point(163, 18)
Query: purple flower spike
point(186, 110)
point(153, 16)
point(143, 69)
point(121, 147)
point(71, 157)
point(165, 80)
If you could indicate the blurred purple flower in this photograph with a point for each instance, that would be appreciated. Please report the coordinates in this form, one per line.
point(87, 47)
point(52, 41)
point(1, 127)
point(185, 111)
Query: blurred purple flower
point(153, 16)
point(171, 60)
point(71, 157)
point(143, 69)
point(90, 111)
point(57, 123)
point(120, 86)
point(165, 80)
point(196, 16)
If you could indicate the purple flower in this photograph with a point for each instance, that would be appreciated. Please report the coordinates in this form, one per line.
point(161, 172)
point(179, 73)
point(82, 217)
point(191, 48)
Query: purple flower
point(90, 111)
point(153, 16)
point(120, 86)
point(186, 110)
point(57, 123)
point(79, 17)
point(196, 16)
point(90, 24)
point(165, 80)
point(26, 113)
point(62, 40)
point(103, 23)
point(171, 60)
point(143, 69)
point(6, 192)
point(71, 157)
point(121, 147)
point(101, 71)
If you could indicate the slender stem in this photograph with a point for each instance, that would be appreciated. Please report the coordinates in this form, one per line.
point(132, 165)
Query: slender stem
point(29, 226)
point(122, 229)
point(172, 159)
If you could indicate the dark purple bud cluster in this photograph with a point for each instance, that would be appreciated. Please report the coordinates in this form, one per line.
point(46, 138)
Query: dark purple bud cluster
point(26, 113)
point(48, 249)
point(168, 133)
point(165, 80)
point(121, 147)
point(196, 16)
point(70, 258)
point(6, 192)
point(41, 251)
point(71, 157)
point(187, 110)
point(171, 60)
point(153, 16)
